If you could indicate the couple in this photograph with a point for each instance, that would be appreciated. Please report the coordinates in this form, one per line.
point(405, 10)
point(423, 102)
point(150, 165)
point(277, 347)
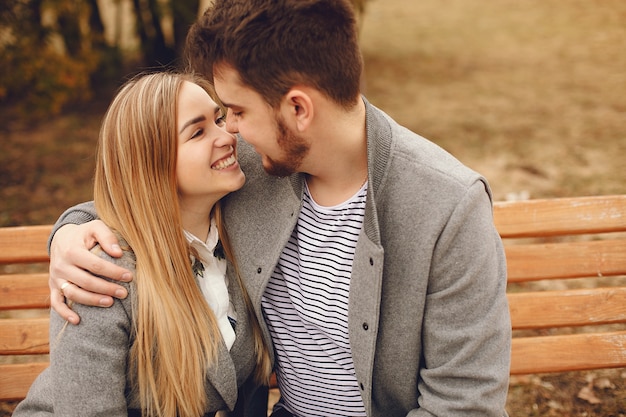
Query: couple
point(369, 258)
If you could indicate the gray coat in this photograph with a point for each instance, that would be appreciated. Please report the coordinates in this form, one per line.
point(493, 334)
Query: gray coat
point(428, 316)
point(89, 373)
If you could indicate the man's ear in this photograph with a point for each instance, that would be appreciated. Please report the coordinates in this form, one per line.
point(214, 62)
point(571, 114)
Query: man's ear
point(299, 108)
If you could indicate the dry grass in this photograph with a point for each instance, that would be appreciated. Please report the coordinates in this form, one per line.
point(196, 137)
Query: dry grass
point(531, 93)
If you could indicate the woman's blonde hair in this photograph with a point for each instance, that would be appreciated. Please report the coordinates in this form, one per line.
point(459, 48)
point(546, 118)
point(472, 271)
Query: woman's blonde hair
point(135, 193)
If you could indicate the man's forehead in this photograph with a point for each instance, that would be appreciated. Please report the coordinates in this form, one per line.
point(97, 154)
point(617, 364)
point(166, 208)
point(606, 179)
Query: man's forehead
point(228, 86)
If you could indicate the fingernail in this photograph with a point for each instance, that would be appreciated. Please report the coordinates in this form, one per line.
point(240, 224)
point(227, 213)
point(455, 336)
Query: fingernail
point(115, 247)
point(73, 319)
point(126, 277)
point(105, 302)
point(120, 293)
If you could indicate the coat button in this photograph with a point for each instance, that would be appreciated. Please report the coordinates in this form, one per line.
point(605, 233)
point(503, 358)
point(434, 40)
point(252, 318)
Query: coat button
point(258, 270)
point(361, 386)
point(372, 261)
point(365, 326)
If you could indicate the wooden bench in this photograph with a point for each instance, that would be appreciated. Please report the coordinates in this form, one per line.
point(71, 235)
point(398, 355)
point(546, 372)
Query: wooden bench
point(24, 308)
point(567, 289)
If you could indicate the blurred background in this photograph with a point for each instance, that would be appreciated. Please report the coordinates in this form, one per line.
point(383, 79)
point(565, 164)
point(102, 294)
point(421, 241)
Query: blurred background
point(530, 93)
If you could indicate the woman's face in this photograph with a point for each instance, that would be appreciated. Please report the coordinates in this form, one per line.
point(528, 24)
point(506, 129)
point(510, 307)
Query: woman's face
point(207, 167)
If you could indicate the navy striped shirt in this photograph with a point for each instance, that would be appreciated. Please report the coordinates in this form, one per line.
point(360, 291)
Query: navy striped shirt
point(306, 307)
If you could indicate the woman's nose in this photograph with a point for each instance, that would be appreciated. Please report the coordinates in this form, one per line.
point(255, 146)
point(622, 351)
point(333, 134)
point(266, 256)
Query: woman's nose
point(224, 139)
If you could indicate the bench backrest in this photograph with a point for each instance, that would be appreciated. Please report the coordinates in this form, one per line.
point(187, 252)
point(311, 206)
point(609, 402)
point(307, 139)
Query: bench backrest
point(566, 261)
point(24, 308)
point(567, 289)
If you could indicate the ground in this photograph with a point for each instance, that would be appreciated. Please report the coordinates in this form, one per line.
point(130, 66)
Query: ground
point(531, 94)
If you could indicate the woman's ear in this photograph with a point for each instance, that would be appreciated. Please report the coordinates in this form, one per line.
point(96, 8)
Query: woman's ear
point(298, 108)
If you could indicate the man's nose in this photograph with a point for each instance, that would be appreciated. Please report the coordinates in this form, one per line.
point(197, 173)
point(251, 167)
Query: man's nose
point(231, 122)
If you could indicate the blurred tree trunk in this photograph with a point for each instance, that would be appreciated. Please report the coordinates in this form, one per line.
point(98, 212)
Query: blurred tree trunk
point(68, 26)
point(95, 24)
point(163, 54)
point(151, 36)
point(184, 13)
point(140, 27)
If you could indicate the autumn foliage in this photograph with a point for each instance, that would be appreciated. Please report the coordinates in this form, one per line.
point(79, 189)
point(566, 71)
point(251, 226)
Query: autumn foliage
point(54, 52)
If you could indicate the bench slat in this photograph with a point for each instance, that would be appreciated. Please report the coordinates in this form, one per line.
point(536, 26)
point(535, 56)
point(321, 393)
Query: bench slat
point(530, 355)
point(22, 291)
point(24, 244)
point(16, 379)
point(561, 216)
point(24, 336)
point(545, 309)
point(532, 262)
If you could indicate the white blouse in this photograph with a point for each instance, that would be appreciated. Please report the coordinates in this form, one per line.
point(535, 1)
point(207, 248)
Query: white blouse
point(213, 282)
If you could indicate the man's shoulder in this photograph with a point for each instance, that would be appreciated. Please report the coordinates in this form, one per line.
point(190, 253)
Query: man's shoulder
point(413, 160)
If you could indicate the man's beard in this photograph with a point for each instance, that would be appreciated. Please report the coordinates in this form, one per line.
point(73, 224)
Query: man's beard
point(294, 150)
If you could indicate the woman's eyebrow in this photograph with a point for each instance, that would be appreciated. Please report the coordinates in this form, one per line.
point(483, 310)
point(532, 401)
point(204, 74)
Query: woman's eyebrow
point(192, 121)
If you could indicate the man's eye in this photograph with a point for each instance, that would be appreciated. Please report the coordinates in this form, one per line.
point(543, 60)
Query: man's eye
point(234, 113)
point(220, 120)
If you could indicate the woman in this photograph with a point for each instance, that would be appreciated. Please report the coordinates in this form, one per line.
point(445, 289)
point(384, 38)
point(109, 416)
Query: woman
point(185, 339)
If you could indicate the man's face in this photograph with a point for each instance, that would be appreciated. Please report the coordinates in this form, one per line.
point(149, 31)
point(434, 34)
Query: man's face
point(281, 150)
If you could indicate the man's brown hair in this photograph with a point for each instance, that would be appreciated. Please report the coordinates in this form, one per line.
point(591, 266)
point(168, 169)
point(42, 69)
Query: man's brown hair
point(277, 44)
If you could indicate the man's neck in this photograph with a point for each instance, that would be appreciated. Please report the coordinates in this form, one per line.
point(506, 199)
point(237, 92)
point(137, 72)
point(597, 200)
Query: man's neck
point(333, 194)
point(338, 160)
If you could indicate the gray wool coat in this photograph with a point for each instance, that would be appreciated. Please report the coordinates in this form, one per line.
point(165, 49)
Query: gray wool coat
point(89, 373)
point(429, 322)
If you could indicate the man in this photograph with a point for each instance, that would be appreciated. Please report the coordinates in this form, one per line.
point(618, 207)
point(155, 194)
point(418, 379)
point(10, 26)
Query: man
point(369, 251)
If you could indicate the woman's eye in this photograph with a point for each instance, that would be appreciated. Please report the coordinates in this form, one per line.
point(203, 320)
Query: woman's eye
point(220, 121)
point(197, 133)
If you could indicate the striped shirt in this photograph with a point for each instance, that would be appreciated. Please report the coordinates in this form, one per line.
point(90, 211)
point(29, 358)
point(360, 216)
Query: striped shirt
point(306, 308)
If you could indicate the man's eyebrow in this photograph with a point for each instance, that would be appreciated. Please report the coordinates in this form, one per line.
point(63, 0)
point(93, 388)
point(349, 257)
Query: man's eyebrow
point(229, 105)
point(192, 121)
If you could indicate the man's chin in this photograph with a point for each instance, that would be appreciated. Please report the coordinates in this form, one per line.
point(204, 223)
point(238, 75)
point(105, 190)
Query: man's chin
point(276, 169)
